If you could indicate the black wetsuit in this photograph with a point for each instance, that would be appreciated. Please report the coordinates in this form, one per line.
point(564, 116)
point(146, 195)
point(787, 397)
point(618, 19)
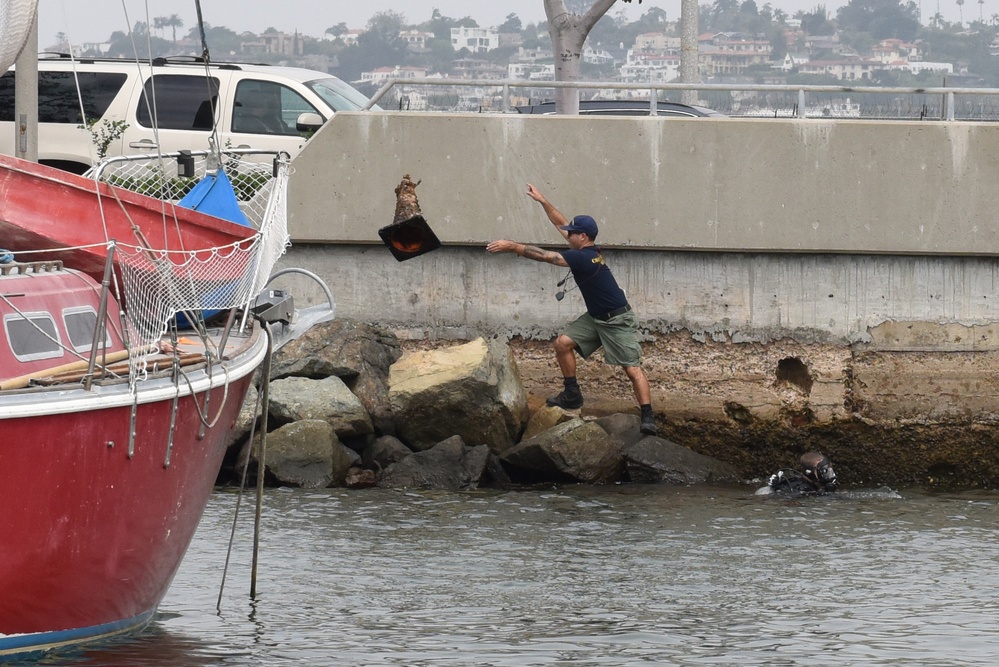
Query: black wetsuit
point(794, 483)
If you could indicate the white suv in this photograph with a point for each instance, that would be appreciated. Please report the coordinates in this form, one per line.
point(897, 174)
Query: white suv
point(254, 106)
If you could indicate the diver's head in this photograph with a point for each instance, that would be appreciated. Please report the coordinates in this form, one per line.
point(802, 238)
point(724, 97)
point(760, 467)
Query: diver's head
point(818, 470)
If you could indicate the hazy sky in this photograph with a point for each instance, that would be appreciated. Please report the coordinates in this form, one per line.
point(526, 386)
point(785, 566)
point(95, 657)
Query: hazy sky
point(94, 20)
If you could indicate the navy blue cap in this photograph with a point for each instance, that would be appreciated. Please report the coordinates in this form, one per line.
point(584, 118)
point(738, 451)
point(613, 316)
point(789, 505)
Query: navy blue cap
point(582, 223)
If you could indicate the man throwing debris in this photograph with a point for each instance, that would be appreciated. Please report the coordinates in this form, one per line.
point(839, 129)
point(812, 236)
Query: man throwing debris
point(608, 321)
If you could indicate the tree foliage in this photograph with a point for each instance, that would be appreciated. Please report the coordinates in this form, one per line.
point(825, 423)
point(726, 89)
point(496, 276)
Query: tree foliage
point(512, 24)
point(882, 19)
point(379, 46)
point(816, 22)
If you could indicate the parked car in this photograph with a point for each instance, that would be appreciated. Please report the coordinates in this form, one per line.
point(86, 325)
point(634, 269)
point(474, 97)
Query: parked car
point(255, 106)
point(626, 108)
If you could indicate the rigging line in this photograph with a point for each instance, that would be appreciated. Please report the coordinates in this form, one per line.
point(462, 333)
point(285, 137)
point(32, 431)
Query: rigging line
point(76, 77)
point(202, 411)
point(79, 98)
point(201, 29)
point(156, 127)
point(239, 498)
point(213, 143)
point(90, 154)
point(265, 372)
point(150, 99)
point(61, 249)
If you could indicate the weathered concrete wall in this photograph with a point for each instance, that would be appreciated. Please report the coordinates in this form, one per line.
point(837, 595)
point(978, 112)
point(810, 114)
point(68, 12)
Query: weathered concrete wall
point(703, 184)
point(884, 301)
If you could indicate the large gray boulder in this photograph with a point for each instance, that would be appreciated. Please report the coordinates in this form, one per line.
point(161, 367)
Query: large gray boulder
point(359, 354)
point(449, 464)
point(574, 451)
point(383, 452)
point(471, 390)
point(297, 398)
point(304, 454)
point(544, 418)
point(654, 459)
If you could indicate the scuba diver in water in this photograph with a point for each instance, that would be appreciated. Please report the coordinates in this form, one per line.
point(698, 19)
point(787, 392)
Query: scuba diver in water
point(814, 476)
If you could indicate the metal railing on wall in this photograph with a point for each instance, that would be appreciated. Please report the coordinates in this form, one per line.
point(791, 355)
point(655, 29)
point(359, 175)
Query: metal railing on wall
point(737, 99)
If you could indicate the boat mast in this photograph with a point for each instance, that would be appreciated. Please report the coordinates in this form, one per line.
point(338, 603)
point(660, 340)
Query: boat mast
point(26, 97)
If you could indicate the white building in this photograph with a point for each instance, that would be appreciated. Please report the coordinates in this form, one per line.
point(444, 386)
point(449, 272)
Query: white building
point(649, 67)
point(792, 61)
point(656, 41)
point(597, 56)
point(844, 70)
point(918, 66)
point(531, 71)
point(476, 40)
point(383, 74)
point(531, 55)
point(416, 40)
point(890, 50)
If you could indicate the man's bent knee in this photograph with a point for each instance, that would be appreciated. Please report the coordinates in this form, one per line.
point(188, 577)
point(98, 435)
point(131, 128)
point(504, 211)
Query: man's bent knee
point(564, 344)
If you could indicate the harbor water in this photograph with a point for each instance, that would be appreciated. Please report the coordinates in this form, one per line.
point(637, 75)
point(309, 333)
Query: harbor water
point(579, 575)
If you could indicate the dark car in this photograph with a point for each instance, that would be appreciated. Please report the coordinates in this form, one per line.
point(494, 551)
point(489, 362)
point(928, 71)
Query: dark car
point(626, 108)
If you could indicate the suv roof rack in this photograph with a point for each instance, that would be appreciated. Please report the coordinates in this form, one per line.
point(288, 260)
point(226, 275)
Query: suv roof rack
point(158, 61)
point(182, 59)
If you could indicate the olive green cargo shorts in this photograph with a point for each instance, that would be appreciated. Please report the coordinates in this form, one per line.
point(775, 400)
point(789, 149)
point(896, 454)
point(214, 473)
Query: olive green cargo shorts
point(618, 337)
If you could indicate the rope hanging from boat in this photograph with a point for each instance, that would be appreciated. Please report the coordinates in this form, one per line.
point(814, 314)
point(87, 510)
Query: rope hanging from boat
point(261, 407)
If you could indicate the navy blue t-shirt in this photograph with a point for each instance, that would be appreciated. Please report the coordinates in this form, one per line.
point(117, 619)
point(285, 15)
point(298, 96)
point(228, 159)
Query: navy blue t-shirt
point(595, 281)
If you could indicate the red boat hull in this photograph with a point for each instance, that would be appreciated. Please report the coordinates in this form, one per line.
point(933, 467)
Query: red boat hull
point(101, 535)
point(93, 533)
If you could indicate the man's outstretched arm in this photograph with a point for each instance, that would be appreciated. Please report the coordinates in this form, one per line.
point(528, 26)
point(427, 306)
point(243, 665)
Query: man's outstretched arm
point(528, 251)
point(554, 215)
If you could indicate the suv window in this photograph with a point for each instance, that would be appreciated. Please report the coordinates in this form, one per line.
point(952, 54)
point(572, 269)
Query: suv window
point(182, 102)
point(57, 98)
point(338, 95)
point(265, 107)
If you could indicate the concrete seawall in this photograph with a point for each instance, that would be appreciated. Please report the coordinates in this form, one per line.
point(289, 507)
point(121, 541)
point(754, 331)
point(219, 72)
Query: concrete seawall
point(802, 283)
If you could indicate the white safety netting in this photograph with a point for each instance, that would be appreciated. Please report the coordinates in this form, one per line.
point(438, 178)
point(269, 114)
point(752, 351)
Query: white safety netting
point(157, 284)
point(250, 172)
point(16, 19)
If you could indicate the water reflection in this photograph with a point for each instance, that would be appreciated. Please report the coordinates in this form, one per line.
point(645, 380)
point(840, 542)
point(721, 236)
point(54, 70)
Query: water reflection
point(611, 576)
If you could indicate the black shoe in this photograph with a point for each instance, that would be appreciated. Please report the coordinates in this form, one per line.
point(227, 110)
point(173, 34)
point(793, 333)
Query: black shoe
point(567, 400)
point(648, 426)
